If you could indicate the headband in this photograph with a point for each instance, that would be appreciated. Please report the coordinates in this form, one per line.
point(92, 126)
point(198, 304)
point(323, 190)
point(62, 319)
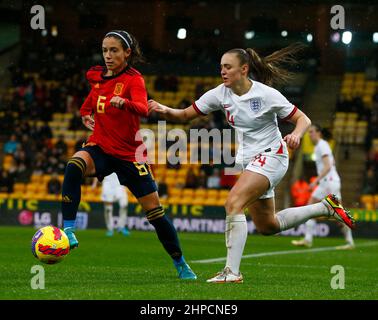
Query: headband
point(123, 35)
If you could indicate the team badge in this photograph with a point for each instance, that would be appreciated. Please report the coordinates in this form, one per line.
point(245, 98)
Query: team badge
point(118, 89)
point(255, 104)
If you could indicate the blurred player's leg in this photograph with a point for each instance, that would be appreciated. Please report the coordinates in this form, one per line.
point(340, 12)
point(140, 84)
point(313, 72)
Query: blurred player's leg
point(122, 201)
point(309, 228)
point(108, 213)
point(122, 221)
point(348, 238)
point(309, 234)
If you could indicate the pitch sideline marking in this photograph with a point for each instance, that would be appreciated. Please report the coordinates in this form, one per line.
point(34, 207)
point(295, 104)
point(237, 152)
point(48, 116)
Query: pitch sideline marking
point(277, 253)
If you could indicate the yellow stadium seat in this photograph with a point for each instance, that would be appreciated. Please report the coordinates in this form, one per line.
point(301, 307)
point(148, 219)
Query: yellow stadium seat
point(376, 201)
point(170, 181)
point(175, 192)
point(367, 201)
point(210, 202)
point(175, 200)
point(19, 187)
point(223, 193)
point(200, 193)
point(31, 187)
point(188, 193)
point(212, 193)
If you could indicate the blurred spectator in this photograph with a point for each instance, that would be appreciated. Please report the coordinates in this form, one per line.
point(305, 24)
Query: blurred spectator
point(172, 83)
point(6, 181)
point(53, 185)
point(11, 145)
point(76, 123)
point(44, 131)
point(61, 146)
point(160, 83)
point(300, 192)
point(202, 180)
point(370, 182)
point(213, 181)
point(191, 180)
point(162, 189)
point(23, 172)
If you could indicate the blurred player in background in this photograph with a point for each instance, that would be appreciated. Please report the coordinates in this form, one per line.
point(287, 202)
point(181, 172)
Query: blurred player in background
point(112, 191)
point(118, 99)
point(327, 181)
point(252, 107)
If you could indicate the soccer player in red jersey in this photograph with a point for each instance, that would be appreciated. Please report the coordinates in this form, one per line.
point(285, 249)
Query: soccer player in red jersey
point(112, 110)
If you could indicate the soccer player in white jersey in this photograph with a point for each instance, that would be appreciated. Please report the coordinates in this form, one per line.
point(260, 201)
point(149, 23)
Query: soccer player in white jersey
point(252, 108)
point(327, 181)
point(112, 191)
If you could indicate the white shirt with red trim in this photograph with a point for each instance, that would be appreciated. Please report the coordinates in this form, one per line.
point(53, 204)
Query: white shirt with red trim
point(252, 115)
point(321, 150)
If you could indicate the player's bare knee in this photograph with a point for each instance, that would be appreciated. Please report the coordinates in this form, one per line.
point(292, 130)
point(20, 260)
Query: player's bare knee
point(232, 205)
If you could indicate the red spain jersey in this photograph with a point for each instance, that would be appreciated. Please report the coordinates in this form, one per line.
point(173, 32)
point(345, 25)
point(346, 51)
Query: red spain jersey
point(116, 130)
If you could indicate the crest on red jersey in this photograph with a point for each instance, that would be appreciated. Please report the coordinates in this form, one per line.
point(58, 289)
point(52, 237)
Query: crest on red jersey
point(118, 89)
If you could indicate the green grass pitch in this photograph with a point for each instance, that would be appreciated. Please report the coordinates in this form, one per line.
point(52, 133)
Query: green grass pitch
point(137, 267)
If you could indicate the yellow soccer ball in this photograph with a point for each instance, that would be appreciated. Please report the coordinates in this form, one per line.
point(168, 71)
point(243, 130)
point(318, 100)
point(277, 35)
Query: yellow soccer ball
point(50, 245)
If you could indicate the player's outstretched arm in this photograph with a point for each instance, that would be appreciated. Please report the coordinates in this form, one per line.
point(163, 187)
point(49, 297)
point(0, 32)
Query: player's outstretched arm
point(302, 123)
point(176, 115)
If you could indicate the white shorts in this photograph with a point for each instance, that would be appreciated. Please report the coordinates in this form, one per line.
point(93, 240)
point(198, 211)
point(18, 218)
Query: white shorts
point(271, 165)
point(326, 187)
point(115, 194)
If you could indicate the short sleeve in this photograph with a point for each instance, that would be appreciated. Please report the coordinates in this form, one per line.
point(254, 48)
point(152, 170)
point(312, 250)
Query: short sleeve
point(324, 149)
point(208, 102)
point(281, 106)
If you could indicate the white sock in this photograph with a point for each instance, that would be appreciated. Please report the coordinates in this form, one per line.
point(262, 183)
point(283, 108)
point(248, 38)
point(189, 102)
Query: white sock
point(347, 234)
point(109, 216)
point(292, 217)
point(122, 217)
point(310, 228)
point(236, 237)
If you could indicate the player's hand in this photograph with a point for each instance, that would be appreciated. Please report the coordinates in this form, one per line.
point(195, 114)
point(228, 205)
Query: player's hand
point(88, 121)
point(157, 107)
point(292, 140)
point(117, 102)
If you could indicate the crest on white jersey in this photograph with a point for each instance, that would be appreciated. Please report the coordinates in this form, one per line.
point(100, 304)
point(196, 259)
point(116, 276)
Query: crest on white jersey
point(255, 104)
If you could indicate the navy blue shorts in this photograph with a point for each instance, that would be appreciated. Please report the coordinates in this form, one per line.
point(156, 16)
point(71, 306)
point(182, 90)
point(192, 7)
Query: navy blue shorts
point(135, 176)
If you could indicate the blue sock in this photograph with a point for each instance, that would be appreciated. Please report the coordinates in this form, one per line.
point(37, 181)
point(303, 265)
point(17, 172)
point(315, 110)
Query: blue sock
point(68, 224)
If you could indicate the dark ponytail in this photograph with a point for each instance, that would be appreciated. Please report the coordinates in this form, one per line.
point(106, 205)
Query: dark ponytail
point(269, 70)
point(326, 133)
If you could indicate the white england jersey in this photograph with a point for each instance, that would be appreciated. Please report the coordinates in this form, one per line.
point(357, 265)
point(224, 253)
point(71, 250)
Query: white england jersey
point(111, 182)
point(252, 115)
point(113, 191)
point(322, 149)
